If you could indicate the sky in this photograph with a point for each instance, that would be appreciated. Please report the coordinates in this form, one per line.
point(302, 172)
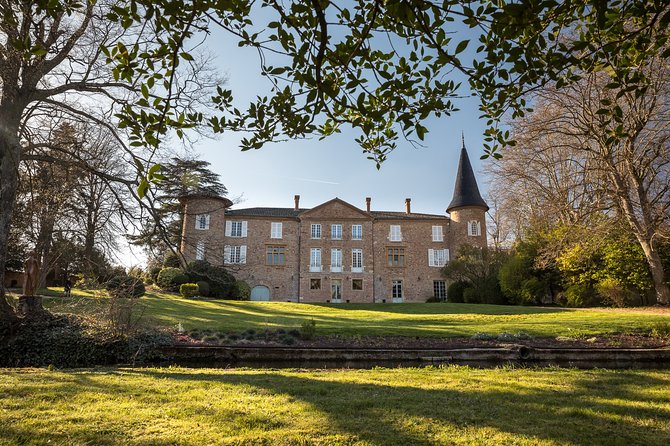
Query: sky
point(335, 167)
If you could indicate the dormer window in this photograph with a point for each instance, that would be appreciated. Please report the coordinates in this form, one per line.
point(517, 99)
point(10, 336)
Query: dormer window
point(474, 228)
point(202, 222)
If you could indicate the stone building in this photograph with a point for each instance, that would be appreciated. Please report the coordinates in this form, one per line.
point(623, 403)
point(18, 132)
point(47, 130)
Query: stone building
point(336, 252)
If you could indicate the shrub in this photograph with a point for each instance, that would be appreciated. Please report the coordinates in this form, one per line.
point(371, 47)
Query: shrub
point(613, 292)
point(203, 288)
point(181, 279)
point(171, 260)
point(166, 278)
point(221, 282)
point(455, 291)
point(580, 295)
point(532, 291)
point(151, 275)
point(471, 296)
point(660, 330)
point(242, 290)
point(188, 290)
point(308, 330)
point(432, 300)
point(125, 287)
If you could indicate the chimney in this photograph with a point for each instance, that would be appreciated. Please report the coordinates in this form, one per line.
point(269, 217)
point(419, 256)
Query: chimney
point(367, 203)
point(408, 207)
point(297, 202)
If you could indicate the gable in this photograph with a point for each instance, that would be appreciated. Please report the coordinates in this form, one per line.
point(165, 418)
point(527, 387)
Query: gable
point(335, 209)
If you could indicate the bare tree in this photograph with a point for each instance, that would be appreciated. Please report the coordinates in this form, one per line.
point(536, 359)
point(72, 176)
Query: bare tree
point(574, 162)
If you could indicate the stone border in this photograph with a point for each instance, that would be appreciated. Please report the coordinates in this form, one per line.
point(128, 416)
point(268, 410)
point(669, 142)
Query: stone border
point(306, 357)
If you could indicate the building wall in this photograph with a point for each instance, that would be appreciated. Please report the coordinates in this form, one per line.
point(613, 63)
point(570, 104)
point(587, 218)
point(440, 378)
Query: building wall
point(282, 280)
point(213, 237)
point(459, 228)
point(292, 280)
point(417, 276)
point(336, 213)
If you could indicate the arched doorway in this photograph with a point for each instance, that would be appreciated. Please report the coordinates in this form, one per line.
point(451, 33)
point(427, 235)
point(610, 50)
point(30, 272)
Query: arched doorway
point(260, 293)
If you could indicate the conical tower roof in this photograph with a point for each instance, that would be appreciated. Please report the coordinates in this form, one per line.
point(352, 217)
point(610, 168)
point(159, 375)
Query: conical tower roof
point(466, 192)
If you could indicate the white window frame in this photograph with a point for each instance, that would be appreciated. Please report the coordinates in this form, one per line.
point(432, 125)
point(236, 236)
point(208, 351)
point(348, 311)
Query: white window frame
point(236, 228)
point(315, 260)
point(357, 260)
point(315, 231)
point(276, 230)
point(202, 222)
point(356, 232)
point(395, 233)
point(395, 286)
point(438, 234)
point(438, 257)
point(336, 260)
point(200, 250)
point(235, 254)
point(336, 232)
point(474, 228)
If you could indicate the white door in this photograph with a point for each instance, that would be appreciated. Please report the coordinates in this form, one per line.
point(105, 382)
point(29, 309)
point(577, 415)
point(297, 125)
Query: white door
point(260, 293)
point(336, 291)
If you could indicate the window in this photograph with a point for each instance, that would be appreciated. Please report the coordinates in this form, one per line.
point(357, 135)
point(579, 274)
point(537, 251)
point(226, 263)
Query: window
point(316, 231)
point(474, 228)
point(200, 251)
point(356, 260)
point(439, 289)
point(235, 254)
point(357, 284)
point(336, 260)
point(336, 291)
point(336, 232)
point(315, 260)
point(314, 284)
point(202, 221)
point(438, 236)
point(275, 255)
point(396, 256)
point(394, 234)
point(236, 228)
point(356, 232)
point(275, 231)
point(438, 257)
point(396, 291)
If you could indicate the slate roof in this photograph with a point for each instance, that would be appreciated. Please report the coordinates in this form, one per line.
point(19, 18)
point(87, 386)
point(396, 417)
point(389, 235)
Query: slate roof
point(466, 192)
point(292, 213)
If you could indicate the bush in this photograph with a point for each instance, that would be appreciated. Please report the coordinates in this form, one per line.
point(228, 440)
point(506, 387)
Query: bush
point(532, 291)
point(308, 330)
point(125, 287)
point(455, 291)
point(166, 278)
point(471, 296)
point(242, 290)
point(203, 288)
point(151, 275)
point(67, 341)
point(433, 299)
point(580, 295)
point(188, 290)
point(612, 292)
point(171, 260)
point(221, 282)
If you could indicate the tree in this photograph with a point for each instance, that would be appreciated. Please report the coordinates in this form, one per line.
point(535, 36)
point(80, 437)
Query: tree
point(381, 67)
point(618, 166)
point(479, 268)
point(183, 176)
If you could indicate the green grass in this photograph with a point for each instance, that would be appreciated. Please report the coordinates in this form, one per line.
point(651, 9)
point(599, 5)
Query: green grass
point(449, 320)
point(454, 405)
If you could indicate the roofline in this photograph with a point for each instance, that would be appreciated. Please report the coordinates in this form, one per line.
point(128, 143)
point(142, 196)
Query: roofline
point(184, 198)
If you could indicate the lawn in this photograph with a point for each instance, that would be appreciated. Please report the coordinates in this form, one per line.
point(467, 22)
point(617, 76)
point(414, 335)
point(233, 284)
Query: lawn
point(453, 405)
point(446, 320)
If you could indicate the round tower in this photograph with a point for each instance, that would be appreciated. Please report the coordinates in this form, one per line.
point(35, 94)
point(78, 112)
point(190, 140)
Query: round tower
point(203, 227)
point(467, 208)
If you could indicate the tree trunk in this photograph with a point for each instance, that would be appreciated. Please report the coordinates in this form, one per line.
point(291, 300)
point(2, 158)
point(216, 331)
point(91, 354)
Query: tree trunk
point(657, 273)
point(44, 243)
point(10, 154)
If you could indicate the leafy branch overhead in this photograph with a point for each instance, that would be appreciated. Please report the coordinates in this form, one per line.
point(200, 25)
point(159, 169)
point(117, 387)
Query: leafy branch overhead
point(384, 67)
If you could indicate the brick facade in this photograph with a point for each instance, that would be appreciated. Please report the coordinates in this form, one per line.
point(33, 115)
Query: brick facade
point(399, 255)
point(384, 261)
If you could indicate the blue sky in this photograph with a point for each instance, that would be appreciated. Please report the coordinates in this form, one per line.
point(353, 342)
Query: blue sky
point(336, 167)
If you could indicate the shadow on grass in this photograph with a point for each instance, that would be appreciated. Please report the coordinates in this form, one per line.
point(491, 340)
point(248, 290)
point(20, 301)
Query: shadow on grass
point(599, 408)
